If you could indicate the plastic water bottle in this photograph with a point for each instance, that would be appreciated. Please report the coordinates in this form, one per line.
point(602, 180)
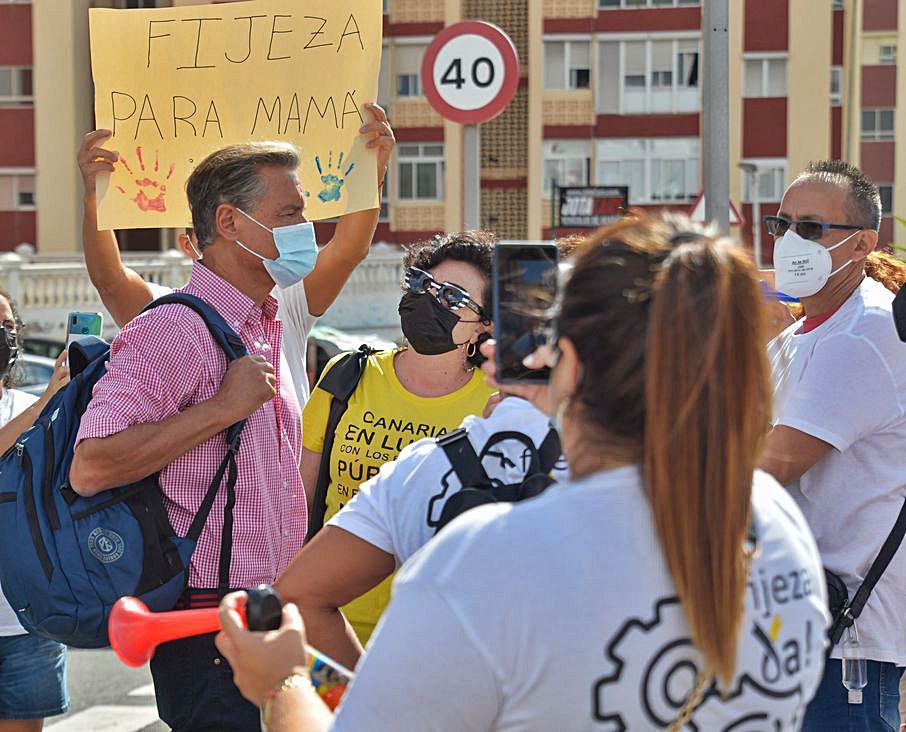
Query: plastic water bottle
point(855, 671)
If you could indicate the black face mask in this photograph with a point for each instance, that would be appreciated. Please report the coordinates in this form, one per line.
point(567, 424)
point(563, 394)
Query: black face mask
point(427, 325)
point(9, 350)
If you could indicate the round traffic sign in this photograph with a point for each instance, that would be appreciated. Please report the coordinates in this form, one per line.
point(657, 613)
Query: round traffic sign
point(470, 72)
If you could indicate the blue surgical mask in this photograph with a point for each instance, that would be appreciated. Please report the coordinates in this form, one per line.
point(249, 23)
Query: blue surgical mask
point(297, 251)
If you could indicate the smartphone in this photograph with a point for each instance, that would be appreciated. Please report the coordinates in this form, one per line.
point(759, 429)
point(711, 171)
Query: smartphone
point(525, 291)
point(82, 325)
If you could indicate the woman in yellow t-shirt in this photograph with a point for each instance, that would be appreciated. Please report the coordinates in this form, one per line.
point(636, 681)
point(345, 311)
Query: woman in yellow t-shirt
point(406, 394)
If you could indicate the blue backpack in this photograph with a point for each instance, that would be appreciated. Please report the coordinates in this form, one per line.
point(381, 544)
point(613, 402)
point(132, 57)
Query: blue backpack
point(65, 559)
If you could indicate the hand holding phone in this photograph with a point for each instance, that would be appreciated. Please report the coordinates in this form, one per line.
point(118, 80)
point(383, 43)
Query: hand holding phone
point(525, 292)
point(82, 325)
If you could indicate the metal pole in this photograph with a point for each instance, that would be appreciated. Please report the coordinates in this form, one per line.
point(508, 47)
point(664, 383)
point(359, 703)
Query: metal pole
point(555, 207)
point(471, 167)
point(716, 112)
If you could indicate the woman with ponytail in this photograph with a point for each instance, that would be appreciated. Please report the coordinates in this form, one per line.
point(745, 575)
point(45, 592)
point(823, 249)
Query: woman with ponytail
point(666, 585)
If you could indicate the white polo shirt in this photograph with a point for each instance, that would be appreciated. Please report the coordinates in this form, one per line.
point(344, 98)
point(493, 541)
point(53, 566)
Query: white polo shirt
point(845, 383)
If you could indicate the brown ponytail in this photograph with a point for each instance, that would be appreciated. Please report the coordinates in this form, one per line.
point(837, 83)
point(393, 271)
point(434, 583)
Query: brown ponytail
point(668, 326)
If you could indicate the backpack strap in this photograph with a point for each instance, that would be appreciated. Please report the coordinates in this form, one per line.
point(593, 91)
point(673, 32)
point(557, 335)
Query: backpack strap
point(549, 451)
point(854, 607)
point(233, 348)
point(340, 382)
point(463, 458)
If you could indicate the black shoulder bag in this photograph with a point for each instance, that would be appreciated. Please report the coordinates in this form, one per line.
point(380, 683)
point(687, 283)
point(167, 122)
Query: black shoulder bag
point(845, 611)
point(340, 382)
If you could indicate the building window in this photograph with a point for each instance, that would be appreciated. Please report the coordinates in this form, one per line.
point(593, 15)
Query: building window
point(887, 55)
point(837, 5)
point(15, 86)
point(648, 77)
point(617, 4)
point(17, 191)
point(407, 61)
point(764, 77)
point(836, 90)
point(877, 124)
point(886, 191)
point(770, 180)
point(420, 172)
point(657, 170)
point(567, 65)
point(566, 163)
point(135, 4)
point(386, 6)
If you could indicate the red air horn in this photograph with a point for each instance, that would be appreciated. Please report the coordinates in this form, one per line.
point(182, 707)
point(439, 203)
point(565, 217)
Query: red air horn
point(135, 632)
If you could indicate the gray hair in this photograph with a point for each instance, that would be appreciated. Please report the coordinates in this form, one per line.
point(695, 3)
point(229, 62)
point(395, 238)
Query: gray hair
point(230, 175)
point(863, 198)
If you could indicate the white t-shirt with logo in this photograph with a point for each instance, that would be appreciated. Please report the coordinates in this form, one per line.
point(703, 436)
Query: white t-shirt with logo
point(559, 613)
point(398, 510)
point(297, 321)
point(12, 403)
point(845, 384)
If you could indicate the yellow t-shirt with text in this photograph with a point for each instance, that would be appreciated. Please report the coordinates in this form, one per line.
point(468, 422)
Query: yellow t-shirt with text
point(382, 418)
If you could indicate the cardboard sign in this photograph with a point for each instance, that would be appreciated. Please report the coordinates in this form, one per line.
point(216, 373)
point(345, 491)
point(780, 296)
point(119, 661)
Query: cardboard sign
point(175, 84)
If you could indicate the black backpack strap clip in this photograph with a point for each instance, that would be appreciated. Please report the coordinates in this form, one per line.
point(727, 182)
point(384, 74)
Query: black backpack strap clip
point(340, 382)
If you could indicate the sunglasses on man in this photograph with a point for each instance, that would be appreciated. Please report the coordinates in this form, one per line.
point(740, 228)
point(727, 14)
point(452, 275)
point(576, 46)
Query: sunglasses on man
point(812, 230)
point(452, 297)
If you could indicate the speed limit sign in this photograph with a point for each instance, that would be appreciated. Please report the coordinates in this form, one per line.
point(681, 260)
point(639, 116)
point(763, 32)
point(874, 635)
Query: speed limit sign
point(470, 72)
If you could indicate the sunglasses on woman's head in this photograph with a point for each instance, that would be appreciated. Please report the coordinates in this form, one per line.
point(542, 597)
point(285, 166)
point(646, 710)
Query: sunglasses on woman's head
point(811, 230)
point(452, 297)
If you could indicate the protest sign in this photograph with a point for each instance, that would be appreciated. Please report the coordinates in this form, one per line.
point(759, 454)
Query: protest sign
point(175, 84)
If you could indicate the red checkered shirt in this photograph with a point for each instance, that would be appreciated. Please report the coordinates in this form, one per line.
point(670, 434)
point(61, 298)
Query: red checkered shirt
point(165, 361)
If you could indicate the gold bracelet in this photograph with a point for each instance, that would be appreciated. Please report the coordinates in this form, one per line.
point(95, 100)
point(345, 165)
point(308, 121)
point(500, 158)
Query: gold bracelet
point(295, 680)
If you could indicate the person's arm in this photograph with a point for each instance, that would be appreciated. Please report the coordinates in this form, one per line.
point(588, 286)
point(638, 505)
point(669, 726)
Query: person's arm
point(309, 469)
point(11, 431)
point(788, 453)
point(354, 232)
point(333, 569)
point(123, 292)
point(844, 393)
point(102, 463)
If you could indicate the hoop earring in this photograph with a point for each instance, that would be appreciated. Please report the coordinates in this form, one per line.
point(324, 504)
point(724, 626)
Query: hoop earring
point(472, 349)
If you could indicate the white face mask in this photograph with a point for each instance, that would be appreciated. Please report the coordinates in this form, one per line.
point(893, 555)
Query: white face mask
point(803, 267)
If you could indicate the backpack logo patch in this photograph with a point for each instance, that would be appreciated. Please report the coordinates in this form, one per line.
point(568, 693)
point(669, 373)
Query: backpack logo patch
point(105, 545)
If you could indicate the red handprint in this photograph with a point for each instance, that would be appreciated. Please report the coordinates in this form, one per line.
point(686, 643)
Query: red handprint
point(148, 185)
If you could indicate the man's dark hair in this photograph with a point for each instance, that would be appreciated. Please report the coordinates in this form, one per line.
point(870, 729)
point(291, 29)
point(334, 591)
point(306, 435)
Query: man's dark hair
point(230, 175)
point(864, 200)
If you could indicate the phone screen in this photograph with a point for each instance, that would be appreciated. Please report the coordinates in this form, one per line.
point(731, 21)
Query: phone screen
point(525, 290)
point(82, 325)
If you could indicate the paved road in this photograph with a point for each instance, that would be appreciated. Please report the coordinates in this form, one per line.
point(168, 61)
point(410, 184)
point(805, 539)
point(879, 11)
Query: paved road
point(107, 696)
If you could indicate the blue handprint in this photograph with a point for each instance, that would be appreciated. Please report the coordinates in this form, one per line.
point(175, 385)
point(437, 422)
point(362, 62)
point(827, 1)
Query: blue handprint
point(332, 183)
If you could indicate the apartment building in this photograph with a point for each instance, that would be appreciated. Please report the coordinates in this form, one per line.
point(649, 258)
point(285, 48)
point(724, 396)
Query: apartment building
point(610, 93)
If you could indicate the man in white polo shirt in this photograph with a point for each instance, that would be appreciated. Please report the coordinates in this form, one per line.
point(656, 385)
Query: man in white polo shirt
point(840, 427)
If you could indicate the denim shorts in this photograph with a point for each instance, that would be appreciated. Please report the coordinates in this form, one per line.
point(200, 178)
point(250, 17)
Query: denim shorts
point(32, 677)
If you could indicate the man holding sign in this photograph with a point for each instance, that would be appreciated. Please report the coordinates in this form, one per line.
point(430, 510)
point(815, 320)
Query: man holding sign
point(175, 84)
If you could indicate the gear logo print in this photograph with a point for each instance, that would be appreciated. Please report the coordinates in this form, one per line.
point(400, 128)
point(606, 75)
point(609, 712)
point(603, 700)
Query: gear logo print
point(653, 667)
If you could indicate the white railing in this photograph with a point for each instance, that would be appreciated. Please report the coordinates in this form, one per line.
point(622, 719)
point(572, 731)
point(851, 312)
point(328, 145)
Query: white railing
point(48, 287)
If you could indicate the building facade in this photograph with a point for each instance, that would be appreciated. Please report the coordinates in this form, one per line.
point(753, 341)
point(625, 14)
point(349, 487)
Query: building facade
point(610, 93)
